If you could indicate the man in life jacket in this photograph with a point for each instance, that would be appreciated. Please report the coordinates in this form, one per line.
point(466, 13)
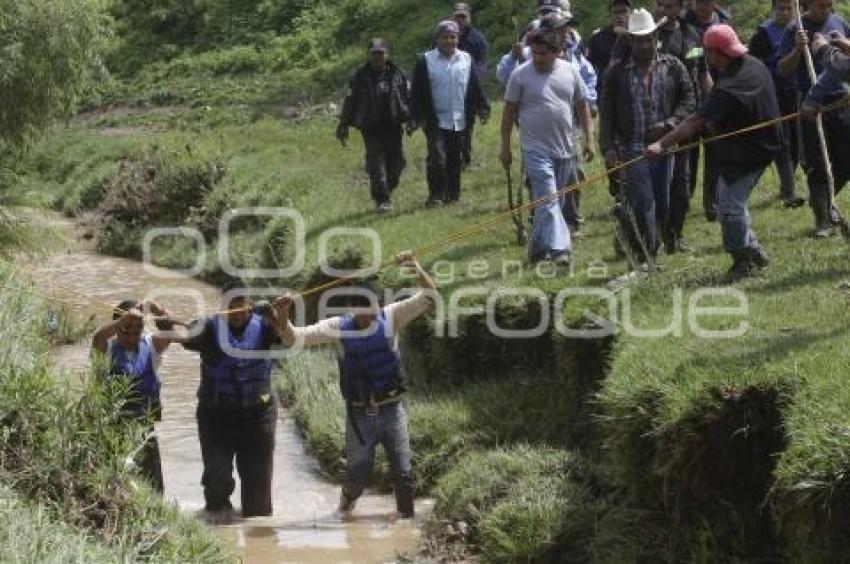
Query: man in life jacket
point(237, 406)
point(134, 353)
point(765, 45)
point(371, 381)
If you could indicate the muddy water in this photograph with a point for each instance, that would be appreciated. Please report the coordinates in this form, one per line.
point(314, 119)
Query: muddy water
point(304, 527)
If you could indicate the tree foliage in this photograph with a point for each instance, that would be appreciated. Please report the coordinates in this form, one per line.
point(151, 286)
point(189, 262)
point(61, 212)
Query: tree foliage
point(47, 50)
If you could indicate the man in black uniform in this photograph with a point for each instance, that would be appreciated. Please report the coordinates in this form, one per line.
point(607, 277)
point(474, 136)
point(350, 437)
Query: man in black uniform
point(378, 104)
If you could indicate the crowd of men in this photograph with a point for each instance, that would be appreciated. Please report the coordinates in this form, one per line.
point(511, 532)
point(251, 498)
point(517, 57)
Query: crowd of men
point(648, 77)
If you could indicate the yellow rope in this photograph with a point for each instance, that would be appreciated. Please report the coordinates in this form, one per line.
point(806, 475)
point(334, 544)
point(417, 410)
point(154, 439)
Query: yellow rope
point(497, 217)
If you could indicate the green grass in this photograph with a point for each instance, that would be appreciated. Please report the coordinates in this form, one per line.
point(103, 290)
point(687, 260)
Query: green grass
point(737, 446)
point(29, 534)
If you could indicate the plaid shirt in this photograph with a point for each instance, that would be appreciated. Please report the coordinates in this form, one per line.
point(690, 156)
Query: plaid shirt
point(628, 110)
point(646, 102)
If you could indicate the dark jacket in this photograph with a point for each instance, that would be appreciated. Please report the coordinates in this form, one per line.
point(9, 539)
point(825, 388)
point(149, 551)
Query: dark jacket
point(362, 108)
point(605, 47)
point(720, 17)
point(685, 43)
point(745, 93)
point(422, 104)
point(473, 42)
point(765, 46)
point(615, 106)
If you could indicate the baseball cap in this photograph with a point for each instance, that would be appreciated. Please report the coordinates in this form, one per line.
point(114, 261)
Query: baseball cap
point(378, 44)
point(721, 37)
point(463, 8)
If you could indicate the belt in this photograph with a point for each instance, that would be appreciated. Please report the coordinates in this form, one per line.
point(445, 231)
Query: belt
point(374, 402)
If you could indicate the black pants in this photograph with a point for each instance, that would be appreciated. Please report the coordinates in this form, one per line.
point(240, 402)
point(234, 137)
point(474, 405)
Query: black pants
point(787, 159)
point(150, 464)
point(384, 160)
point(836, 126)
point(710, 184)
point(248, 436)
point(444, 162)
point(680, 196)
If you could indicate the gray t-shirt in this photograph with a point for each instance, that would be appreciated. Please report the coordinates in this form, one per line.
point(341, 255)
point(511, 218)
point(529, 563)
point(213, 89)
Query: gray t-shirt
point(546, 102)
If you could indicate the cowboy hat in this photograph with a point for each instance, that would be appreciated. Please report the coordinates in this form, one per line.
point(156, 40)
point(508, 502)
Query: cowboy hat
point(642, 23)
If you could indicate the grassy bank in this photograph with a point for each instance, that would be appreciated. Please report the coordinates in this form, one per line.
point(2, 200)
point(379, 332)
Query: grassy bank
point(621, 449)
point(62, 453)
point(29, 534)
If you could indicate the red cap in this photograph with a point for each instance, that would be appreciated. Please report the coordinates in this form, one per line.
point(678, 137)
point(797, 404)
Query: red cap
point(721, 37)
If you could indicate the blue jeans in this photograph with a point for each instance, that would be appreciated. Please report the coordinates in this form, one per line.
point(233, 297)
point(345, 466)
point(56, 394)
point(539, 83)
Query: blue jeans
point(735, 221)
point(547, 175)
point(388, 427)
point(648, 196)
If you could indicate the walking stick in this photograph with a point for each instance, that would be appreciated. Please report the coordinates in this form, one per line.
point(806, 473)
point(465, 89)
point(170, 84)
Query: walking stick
point(516, 214)
point(834, 214)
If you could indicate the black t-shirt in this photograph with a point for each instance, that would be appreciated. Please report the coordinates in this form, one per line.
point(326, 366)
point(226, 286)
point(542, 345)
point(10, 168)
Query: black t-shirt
point(206, 344)
point(743, 96)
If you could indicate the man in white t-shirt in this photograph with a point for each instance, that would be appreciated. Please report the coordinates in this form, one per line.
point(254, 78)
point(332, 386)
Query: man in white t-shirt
point(546, 93)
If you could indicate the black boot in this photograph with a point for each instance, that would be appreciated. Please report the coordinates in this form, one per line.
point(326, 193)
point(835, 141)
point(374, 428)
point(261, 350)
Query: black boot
point(404, 497)
point(742, 268)
point(758, 257)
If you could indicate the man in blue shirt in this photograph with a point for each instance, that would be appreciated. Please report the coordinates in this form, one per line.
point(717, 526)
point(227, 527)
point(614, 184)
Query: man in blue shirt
point(446, 98)
point(836, 124)
point(765, 45)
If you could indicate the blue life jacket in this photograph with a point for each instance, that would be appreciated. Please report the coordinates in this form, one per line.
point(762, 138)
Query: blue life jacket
point(236, 382)
point(774, 33)
point(369, 364)
point(142, 373)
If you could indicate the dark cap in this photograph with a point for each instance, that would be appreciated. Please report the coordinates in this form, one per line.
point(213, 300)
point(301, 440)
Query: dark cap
point(378, 44)
point(463, 8)
point(612, 3)
point(553, 21)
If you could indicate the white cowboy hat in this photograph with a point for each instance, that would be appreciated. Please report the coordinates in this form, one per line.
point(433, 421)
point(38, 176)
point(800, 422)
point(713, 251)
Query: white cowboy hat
point(641, 23)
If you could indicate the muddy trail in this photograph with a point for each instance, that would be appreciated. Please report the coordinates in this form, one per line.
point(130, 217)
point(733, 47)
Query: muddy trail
point(305, 527)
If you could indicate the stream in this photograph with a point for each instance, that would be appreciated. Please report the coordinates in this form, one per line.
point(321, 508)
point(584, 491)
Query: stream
point(305, 527)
